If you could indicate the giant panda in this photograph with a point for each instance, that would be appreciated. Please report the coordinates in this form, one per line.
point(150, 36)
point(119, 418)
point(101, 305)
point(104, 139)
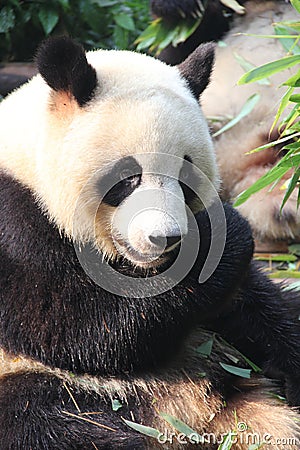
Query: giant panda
point(224, 99)
point(108, 179)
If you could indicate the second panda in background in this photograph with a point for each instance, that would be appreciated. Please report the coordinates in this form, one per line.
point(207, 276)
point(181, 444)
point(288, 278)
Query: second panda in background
point(224, 98)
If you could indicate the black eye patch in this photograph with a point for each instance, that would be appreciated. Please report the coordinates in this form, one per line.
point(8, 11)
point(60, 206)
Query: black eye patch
point(189, 180)
point(121, 180)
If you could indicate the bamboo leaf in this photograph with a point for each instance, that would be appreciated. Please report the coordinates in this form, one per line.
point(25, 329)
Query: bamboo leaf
point(116, 404)
point(205, 348)
point(283, 104)
point(276, 173)
point(296, 5)
point(48, 18)
point(227, 441)
point(247, 65)
point(293, 81)
point(182, 427)
point(284, 274)
point(238, 371)
point(285, 257)
point(268, 69)
point(148, 431)
point(271, 144)
point(295, 98)
point(292, 185)
point(125, 21)
point(246, 109)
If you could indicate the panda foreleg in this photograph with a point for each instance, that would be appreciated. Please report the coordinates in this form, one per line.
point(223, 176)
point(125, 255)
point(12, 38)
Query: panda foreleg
point(37, 412)
point(263, 323)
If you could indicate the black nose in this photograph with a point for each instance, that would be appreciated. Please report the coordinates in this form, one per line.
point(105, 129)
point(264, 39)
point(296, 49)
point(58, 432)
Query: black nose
point(165, 241)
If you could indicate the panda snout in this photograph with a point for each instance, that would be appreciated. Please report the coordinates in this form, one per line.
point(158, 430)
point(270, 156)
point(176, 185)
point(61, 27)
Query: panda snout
point(165, 242)
point(154, 233)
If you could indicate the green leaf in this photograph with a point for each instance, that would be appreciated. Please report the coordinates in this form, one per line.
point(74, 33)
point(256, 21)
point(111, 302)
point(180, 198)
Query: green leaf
point(65, 4)
point(276, 173)
point(285, 257)
point(284, 274)
point(250, 363)
point(283, 104)
point(295, 249)
point(148, 431)
point(247, 108)
point(7, 19)
point(182, 427)
point(184, 30)
point(165, 37)
point(271, 144)
point(238, 371)
point(104, 3)
point(205, 348)
point(247, 65)
point(293, 81)
point(256, 446)
point(295, 98)
point(227, 441)
point(268, 69)
point(253, 366)
point(116, 404)
point(289, 45)
point(296, 5)
point(294, 181)
point(125, 21)
point(232, 358)
point(48, 18)
point(149, 35)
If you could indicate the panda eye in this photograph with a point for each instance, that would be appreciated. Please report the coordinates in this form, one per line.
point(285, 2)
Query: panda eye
point(121, 180)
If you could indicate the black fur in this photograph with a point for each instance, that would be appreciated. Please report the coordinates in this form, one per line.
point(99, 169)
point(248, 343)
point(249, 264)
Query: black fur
point(56, 294)
point(197, 67)
point(63, 65)
point(50, 310)
point(31, 403)
point(120, 181)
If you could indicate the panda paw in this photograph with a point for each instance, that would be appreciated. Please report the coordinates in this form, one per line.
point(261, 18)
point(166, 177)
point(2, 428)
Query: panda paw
point(176, 9)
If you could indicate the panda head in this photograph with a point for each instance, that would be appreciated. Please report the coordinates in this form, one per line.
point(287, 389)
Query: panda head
point(125, 151)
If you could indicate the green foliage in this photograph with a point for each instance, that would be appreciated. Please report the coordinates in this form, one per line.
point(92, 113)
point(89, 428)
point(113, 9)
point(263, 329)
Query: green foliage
point(182, 427)
point(238, 371)
point(95, 23)
point(143, 429)
point(246, 109)
point(289, 127)
point(161, 33)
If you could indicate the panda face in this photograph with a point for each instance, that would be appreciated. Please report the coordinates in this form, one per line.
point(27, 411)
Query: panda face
point(117, 137)
point(136, 182)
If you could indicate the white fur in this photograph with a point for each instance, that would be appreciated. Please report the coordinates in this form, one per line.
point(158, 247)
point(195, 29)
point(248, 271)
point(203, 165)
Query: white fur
point(141, 105)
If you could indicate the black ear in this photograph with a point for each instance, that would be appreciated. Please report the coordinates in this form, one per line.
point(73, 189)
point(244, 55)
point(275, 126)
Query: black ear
point(197, 67)
point(63, 65)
